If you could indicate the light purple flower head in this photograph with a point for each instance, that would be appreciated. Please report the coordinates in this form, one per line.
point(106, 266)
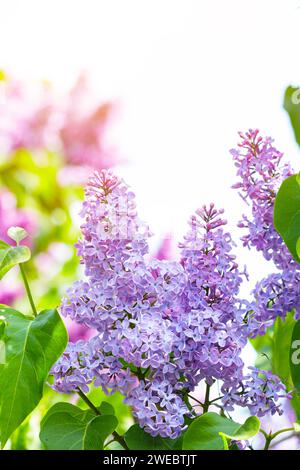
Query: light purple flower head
point(162, 326)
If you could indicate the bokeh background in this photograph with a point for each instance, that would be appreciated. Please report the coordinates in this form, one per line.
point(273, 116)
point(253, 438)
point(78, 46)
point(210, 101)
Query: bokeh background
point(158, 89)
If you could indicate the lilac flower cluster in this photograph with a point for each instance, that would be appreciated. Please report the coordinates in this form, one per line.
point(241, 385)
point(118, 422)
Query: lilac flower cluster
point(260, 174)
point(162, 326)
point(259, 392)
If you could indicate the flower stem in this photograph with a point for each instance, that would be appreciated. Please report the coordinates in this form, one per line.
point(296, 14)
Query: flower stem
point(269, 437)
point(195, 399)
point(30, 298)
point(268, 442)
point(281, 431)
point(91, 405)
point(206, 399)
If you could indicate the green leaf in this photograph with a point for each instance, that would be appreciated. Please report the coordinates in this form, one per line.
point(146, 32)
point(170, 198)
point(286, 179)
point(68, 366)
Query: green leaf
point(282, 336)
point(204, 432)
point(17, 234)
point(2, 326)
point(72, 410)
point(10, 256)
point(32, 347)
point(287, 213)
point(137, 439)
point(67, 427)
point(106, 408)
point(295, 355)
point(292, 106)
point(247, 430)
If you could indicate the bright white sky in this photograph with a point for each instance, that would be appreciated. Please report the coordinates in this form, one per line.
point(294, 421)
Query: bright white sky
point(188, 74)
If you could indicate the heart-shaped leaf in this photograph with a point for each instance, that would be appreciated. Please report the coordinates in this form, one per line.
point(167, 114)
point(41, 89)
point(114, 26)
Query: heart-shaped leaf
point(10, 256)
point(67, 427)
point(32, 347)
point(17, 234)
point(204, 432)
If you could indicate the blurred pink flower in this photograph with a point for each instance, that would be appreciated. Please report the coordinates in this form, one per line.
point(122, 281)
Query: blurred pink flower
point(10, 291)
point(83, 129)
point(25, 116)
point(36, 117)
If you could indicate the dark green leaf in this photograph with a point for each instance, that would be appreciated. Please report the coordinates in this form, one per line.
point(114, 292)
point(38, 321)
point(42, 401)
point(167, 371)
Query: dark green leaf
point(67, 427)
point(32, 347)
point(106, 408)
point(287, 213)
point(137, 439)
point(282, 336)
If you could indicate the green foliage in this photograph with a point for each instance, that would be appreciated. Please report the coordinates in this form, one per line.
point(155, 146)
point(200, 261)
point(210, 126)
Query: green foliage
point(10, 256)
point(287, 213)
point(247, 430)
point(67, 427)
point(273, 348)
point(292, 106)
point(204, 432)
point(137, 439)
point(35, 181)
point(282, 336)
point(32, 347)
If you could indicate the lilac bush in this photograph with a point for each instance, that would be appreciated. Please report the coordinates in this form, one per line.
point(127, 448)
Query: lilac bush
point(163, 327)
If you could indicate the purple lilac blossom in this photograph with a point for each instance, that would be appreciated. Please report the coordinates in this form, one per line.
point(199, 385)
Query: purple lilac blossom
point(259, 392)
point(260, 173)
point(162, 326)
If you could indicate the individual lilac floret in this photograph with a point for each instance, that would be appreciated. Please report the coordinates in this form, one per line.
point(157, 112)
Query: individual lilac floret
point(162, 326)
